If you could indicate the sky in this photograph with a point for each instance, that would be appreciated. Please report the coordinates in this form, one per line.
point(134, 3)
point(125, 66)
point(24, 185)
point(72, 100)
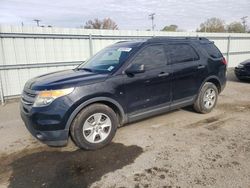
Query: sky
point(128, 14)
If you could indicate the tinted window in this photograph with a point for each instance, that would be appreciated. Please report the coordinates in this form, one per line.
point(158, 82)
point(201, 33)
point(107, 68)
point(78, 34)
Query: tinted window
point(212, 50)
point(152, 57)
point(178, 53)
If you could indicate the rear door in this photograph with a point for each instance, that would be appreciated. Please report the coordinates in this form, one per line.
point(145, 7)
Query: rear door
point(184, 61)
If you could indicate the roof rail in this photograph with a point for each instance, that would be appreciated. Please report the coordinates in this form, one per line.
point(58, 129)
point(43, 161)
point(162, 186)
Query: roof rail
point(157, 38)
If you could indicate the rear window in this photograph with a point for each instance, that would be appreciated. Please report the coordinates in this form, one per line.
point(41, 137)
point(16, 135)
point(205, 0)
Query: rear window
point(178, 53)
point(212, 50)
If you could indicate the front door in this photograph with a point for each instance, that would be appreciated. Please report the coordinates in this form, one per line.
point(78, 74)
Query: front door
point(150, 89)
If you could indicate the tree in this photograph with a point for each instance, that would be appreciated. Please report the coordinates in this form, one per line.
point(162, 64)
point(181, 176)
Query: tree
point(106, 23)
point(170, 28)
point(236, 27)
point(213, 25)
point(109, 24)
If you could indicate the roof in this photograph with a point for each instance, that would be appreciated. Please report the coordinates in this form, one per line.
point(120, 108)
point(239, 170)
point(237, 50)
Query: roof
point(136, 43)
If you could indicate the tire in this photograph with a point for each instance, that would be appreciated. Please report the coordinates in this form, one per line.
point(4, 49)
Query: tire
point(94, 127)
point(207, 95)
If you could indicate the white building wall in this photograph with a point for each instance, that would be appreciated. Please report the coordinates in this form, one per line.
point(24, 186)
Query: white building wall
point(53, 49)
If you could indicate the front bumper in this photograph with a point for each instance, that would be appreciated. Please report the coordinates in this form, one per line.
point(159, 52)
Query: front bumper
point(58, 137)
point(242, 73)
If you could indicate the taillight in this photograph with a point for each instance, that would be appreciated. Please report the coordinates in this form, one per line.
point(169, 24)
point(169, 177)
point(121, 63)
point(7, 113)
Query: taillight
point(224, 61)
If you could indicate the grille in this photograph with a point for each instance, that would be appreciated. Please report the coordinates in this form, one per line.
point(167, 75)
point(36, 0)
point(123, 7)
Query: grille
point(28, 99)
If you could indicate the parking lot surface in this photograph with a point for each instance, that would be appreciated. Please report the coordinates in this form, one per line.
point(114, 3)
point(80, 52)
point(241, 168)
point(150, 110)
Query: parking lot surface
point(178, 149)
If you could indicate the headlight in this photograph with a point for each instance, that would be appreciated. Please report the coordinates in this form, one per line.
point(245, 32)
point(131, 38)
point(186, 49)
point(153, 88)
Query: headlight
point(45, 98)
point(240, 66)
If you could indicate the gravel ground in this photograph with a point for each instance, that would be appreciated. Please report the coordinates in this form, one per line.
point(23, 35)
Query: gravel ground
point(177, 149)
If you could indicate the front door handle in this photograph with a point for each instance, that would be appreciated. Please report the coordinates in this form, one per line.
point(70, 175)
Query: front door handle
point(201, 67)
point(163, 74)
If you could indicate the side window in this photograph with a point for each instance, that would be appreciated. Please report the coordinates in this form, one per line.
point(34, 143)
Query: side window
point(178, 53)
point(152, 57)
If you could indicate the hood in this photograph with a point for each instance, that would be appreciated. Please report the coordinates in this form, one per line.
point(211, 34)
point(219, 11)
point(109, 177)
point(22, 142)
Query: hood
point(246, 62)
point(64, 79)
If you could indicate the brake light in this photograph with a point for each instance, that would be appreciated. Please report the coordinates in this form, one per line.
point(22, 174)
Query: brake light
point(224, 61)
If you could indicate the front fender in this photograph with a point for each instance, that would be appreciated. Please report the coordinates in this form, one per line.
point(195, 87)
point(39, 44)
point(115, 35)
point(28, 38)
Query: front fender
point(95, 100)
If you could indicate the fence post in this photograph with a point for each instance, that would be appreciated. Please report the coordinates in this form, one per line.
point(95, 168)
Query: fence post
point(228, 48)
point(1, 83)
point(1, 90)
point(90, 45)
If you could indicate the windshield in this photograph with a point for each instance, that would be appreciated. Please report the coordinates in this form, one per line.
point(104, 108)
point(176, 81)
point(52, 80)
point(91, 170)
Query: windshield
point(106, 60)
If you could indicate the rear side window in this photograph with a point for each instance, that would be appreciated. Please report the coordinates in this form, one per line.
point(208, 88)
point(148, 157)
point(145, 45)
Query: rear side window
point(178, 53)
point(212, 50)
point(152, 57)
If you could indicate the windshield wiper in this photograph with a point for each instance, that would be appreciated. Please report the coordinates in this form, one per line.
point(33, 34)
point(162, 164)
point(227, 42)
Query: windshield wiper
point(86, 69)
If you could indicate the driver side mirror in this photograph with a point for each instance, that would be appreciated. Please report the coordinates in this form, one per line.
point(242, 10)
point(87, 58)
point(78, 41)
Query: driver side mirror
point(135, 69)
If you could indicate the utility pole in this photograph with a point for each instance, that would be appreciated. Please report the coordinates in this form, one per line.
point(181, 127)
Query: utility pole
point(152, 17)
point(244, 22)
point(37, 22)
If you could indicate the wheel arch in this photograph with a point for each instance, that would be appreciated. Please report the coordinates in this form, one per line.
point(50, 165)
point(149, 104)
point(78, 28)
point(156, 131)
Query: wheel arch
point(103, 100)
point(213, 79)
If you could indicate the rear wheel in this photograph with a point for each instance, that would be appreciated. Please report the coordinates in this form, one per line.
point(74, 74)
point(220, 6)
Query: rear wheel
point(206, 99)
point(94, 127)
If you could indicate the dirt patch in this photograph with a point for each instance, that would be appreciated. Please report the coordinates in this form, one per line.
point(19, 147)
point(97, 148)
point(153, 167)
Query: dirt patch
point(160, 173)
point(219, 120)
point(217, 124)
point(211, 123)
point(235, 107)
point(75, 169)
point(205, 121)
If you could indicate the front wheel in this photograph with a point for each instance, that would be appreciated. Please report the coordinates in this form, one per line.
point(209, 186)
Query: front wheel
point(94, 127)
point(206, 99)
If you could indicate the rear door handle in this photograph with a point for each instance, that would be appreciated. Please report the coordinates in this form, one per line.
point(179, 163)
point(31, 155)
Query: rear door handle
point(201, 67)
point(163, 74)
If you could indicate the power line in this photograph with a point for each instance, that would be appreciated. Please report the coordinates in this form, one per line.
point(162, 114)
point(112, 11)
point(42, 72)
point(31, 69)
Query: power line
point(152, 17)
point(244, 22)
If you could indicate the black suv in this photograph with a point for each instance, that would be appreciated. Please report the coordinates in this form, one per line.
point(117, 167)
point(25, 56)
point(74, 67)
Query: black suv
point(122, 83)
point(242, 71)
